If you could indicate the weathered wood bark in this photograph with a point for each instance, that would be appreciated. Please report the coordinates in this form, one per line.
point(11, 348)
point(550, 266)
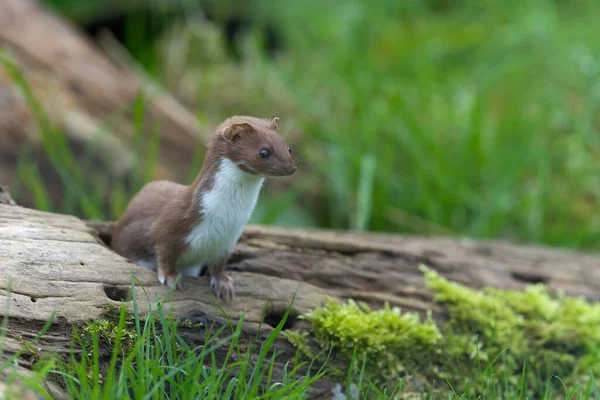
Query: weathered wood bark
point(59, 263)
point(81, 90)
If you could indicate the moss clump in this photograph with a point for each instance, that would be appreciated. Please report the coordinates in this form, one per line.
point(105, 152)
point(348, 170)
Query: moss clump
point(489, 337)
point(389, 342)
point(106, 333)
point(552, 335)
point(106, 330)
point(187, 324)
point(300, 341)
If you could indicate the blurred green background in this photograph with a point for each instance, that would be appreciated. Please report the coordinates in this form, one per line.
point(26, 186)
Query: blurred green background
point(465, 117)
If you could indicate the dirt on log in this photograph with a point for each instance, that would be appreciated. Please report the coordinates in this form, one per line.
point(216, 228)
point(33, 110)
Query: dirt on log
point(59, 263)
point(85, 94)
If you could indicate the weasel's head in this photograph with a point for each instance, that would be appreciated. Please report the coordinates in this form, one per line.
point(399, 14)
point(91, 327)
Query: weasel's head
point(256, 146)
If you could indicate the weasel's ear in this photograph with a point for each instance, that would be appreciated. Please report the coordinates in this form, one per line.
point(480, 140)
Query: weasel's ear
point(274, 123)
point(232, 131)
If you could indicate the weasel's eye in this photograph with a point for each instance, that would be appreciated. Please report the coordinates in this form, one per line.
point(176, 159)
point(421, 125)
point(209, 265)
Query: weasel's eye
point(264, 153)
point(290, 150)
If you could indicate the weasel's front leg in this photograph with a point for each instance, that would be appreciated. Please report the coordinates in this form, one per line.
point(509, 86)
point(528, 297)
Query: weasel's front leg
point(220, 281)
point(167, 267)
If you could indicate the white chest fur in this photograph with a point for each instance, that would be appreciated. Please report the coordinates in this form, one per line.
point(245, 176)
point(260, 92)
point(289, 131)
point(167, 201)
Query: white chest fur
point(225, 210)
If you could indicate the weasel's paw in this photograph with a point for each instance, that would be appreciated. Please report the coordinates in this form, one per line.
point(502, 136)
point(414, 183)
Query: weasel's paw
point(169, 280)
point(222, 286)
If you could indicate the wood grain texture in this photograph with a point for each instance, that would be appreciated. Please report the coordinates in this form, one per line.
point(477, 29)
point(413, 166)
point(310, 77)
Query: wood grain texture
point(58, 263)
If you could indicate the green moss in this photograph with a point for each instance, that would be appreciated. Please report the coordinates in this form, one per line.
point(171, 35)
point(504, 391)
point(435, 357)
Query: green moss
point(490, 336)
point(390, 343)
point(187, 324)
point(300, 341)
point(551, 334)
point(106, 329)
point(106, 332)
point(318, 355)
point(112, 313)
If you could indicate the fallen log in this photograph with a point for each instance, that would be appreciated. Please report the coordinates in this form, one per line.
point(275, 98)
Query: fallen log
point(59, 263)
point(84, 93)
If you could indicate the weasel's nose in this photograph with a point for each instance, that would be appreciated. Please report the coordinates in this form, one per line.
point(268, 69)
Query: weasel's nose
point(290, 170)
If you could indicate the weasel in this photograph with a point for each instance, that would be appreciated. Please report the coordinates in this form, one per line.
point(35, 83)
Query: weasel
point(180, 230)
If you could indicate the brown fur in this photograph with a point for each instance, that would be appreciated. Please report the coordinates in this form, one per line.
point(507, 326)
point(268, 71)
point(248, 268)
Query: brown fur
point(162, 214)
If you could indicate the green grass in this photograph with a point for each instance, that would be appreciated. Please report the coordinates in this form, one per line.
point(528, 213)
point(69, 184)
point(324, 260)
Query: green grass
point(123, 355)
point(419, 117)
point(461, 118)
point(157, 363)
